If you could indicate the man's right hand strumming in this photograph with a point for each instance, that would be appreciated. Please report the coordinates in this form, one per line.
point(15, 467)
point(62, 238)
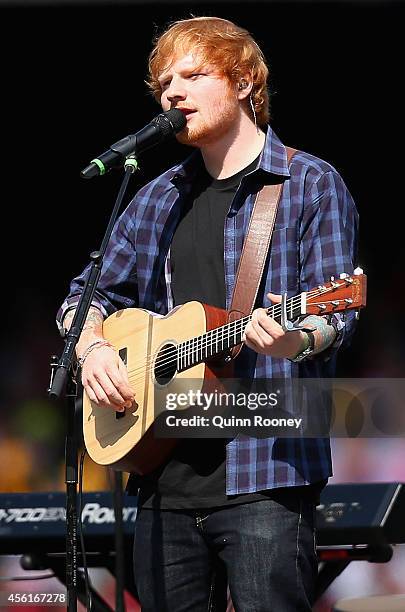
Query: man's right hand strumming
point(104, 374)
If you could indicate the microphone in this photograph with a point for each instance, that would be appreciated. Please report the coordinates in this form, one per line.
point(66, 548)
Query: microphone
point(162, 127)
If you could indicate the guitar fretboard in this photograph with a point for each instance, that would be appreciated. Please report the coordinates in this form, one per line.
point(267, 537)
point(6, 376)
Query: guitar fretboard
point(222, 339)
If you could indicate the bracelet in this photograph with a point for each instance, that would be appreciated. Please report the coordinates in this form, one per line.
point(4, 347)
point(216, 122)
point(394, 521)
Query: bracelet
point(305, 351)
point(93, 345)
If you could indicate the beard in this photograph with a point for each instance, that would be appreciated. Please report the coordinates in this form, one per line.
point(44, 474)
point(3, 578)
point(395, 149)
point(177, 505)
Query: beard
point(208, 129)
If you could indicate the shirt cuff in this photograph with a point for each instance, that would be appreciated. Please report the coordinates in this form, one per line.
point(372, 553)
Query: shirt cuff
point(70, 304)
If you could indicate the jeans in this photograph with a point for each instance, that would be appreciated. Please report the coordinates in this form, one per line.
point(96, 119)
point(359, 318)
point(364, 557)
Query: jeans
point(264, 551)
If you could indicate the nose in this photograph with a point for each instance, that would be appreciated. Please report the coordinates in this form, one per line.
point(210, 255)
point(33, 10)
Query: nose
point(175, 91)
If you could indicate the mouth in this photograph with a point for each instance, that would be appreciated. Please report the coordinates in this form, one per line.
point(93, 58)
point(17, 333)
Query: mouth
point(186, 111)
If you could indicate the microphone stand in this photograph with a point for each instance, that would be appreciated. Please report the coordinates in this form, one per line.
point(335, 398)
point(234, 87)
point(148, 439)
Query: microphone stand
point(119, 543)
point(63, 377)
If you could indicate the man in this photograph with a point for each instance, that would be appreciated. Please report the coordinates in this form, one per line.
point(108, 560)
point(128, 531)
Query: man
point(243, 506)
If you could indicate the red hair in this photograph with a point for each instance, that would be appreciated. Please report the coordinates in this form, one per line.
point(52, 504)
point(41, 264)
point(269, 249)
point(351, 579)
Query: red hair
point(219, 42)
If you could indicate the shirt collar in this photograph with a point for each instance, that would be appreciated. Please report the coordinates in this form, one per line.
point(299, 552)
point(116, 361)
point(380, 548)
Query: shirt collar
point(272, 161)
point(274, 155)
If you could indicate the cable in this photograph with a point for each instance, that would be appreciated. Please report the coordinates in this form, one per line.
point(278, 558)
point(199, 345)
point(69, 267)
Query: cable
point(89, 601)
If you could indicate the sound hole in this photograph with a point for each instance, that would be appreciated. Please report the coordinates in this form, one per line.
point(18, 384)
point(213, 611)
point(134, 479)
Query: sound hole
point(123, 353)
point(166, 364)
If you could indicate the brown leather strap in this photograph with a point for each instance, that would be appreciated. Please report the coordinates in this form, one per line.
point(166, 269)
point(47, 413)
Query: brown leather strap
point(255, 249)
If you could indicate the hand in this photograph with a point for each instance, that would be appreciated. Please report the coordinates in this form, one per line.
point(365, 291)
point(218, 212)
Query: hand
point(265, 336)
point(105, 379)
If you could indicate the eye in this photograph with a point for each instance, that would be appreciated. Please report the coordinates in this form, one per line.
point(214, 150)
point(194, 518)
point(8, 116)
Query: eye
point(164, 81)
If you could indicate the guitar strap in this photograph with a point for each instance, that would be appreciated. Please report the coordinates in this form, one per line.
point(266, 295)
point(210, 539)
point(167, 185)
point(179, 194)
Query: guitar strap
point(255, 250)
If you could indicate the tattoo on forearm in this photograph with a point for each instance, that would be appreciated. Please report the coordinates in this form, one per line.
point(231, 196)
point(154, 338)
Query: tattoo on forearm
point(94, 319)
point(324, 333)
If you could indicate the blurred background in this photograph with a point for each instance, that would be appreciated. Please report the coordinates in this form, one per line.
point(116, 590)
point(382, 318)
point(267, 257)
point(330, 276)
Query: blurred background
point(72, 82)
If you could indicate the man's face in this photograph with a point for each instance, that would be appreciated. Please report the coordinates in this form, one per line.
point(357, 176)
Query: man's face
point(205, 96)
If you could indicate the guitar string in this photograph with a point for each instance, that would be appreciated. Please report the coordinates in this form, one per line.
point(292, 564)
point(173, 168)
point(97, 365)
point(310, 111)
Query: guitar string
point(200, 343)
point(207, 340)
point(173, 359)
point(277, 311)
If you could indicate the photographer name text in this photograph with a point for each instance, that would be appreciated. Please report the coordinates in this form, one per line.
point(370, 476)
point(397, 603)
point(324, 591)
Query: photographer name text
point(221, 422)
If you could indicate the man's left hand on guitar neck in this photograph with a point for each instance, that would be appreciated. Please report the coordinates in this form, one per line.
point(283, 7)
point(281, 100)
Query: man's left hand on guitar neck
point(265, 336)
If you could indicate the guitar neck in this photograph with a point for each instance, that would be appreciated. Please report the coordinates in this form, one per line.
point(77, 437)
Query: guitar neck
point(346, 293)
point(222, 339)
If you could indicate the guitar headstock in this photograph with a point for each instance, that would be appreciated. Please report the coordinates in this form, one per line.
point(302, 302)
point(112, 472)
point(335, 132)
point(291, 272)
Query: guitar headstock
point(345, 293)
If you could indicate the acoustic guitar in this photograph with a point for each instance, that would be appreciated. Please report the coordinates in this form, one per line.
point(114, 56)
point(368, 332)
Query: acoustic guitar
point(188, 346)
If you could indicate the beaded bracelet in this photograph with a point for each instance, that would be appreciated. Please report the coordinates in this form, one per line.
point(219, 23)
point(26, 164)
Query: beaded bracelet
point(93, 345)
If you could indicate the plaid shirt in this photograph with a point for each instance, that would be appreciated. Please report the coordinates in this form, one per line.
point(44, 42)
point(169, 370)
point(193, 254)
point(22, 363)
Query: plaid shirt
point(314, 238)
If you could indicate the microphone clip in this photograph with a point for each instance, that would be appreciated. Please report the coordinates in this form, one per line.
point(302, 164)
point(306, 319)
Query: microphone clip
point(131, 164)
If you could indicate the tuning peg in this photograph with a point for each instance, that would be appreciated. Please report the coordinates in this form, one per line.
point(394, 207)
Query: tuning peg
point(347, 278)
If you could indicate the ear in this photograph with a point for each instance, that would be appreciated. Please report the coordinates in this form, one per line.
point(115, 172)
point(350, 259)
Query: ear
point(244, 87)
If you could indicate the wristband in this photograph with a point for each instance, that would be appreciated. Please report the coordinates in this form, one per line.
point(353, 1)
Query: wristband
point(93, 345)
point(307, 350)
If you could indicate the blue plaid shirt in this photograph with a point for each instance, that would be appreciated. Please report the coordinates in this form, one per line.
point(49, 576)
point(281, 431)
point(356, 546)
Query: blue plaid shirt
point(314, 238)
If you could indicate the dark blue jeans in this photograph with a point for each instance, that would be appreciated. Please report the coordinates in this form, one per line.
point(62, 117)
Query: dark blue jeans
point(264, 550)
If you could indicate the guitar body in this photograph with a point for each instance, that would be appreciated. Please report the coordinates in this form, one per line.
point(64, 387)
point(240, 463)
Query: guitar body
point(179, 353)
point(125, 441)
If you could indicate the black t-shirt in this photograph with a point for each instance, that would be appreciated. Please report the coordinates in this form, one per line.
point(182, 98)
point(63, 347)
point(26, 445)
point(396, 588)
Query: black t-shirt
point(194, 476)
